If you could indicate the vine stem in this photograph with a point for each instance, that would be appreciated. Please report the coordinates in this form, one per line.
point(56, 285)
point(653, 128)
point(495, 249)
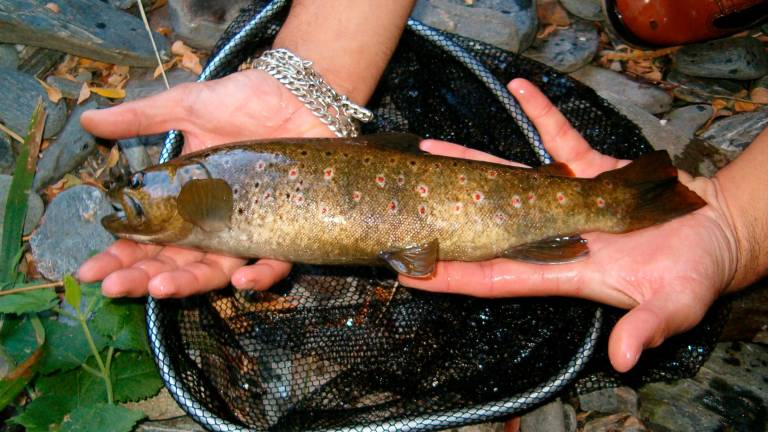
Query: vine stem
point(104, 371)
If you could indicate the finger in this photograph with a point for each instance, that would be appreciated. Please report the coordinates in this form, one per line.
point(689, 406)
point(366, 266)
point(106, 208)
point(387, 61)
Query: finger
point(121, 254)
point(151, 115)
point(561, 140)
point(134, 281)
point(209, 273)
point(261, 275)
point(444, 148)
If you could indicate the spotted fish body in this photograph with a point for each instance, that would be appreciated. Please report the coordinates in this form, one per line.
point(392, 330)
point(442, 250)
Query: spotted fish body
point(341, 201)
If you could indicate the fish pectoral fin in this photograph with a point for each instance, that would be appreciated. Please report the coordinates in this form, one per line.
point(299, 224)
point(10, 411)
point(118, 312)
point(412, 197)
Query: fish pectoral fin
point(206, 203)
point(552, 250)
point(414, 261)
point(403, 142)
point(556, 169)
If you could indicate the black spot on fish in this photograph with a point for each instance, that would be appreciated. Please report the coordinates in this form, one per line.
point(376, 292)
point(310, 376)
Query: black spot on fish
point(303, 152)
point(235, 191)
point(391, 160)
point(412, 163)
point(328, 153)
point(240, 210)
point(256, 185)
point(345, 154)
point(288, 195)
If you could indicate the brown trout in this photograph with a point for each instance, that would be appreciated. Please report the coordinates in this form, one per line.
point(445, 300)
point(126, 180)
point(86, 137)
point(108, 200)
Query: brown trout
point(362, 201)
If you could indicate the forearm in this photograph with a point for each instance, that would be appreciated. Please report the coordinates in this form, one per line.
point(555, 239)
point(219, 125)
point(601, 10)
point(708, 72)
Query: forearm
point(743, 187)
point(349, 41)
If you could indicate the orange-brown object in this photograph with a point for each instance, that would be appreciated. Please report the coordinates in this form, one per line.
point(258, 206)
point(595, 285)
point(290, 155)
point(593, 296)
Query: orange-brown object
point(658, 23)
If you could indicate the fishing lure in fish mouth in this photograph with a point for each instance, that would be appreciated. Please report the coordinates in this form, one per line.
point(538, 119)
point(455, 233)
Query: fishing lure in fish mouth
point(378, 199)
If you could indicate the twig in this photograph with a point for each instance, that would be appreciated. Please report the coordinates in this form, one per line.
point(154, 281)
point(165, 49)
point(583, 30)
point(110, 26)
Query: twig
point(152, 39)
point(13, 134)
point(703, 93)
point(31, 288)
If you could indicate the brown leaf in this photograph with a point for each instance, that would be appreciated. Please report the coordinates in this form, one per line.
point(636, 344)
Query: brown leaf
point(164, 30)
point(759, 95)
point(179, 48)
point(114, 156)
point(166, 67)
point(546, 31)
point(85, 93)
point(54, 94)
point(111, 93)
point(191, 62)
point(550, 12)
point(53, 7)
point(742, 106)
point(719, 104)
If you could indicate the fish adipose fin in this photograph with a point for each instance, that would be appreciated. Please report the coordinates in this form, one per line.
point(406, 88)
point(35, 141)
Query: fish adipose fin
point(402, 142)
point(206, 203)
point(657, 195)
point(556, 169)
point(552, 250)
point(414, 261)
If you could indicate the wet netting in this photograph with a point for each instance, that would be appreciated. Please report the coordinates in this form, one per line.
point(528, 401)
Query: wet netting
point(334, 348)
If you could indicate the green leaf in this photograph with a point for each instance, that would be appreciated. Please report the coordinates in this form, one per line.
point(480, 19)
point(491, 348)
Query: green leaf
point(102, 417)
point(72, 292)
point(83, 388)
point(122, 322)
point(134, 377)
point(66, 346)
point(28, 301)
point(10, 388)
point(18, 337)
point(43, 412)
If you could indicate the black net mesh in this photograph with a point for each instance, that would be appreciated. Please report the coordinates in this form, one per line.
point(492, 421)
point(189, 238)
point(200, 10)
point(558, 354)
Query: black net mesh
point(346, 348)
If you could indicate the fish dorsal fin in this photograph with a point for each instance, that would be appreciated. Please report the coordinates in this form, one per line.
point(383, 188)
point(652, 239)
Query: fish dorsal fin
point(206, 203)
point(556, 169)
point(402, 142)
point(552, 250)
point(414, 261)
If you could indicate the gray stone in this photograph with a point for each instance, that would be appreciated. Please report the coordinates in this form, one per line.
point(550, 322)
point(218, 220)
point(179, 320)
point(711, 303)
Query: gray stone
point(160, 406)
point(546, 418)
point(616, 87)
point(126, 4)
point(617, 422)
point(19, 94)
point(733, 134)
point(135, 153)
point(689, 119)
point(7, 156)
point(137, 89)
point(71, 231)
point(34, 206)
point(9, 57)
point(733, 58)
point(199, 23)
point(610, 401)
point(84, 28)
point(587, 9)
point(508, 24)
point(181, 424)
point(38, 61)
point(698, 90)
point(69, 89)
point(571, 421)
point(483, 427)
point(566, 49)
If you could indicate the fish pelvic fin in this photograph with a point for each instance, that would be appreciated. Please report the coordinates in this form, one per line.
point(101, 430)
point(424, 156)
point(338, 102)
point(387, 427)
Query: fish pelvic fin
point(656, 193)
point(552, 250)
point(415, 261)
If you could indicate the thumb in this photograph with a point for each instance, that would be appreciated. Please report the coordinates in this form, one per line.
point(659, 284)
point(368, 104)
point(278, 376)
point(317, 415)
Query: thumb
point(151, 115)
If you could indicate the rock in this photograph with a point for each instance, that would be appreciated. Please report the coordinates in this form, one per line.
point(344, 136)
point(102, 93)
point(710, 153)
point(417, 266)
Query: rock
point(610, 401)
point(85, 28)
point(689, 119)
point(733, 58)
point(587, 9)
point(38, 61)
point(135, 153)
point(125, 4)
point(508, 24)
point(199, 23)
point(566, 49)
point(484, 427)
point(19, 94)
point(698, 90)
point(571, 421)
point(733, 134)
point(34, 206)
point(7, 156)
point(141, 88)
point(71, 231)
point(546, 418)
point(616, 87)
point(69, 89)
point(9, 57)
point(68, 151)
point(617, 422)
point(161, 406)
point(180, 424)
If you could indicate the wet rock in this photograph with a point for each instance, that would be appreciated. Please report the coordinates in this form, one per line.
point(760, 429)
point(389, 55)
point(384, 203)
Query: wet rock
point(126, 4)
point(38, 61)
point(141, 88)
point(698, 90)
point(19, 94)
point(71, 231)
point(135, 153)
point(566, 49)
point(9, 57)
point(616, 87)
point(733, 58)
point(587, 9)
point(571, 422)
point(199, 23)
point(610, 401)
point(7, 156)
point(546, 418)
point(617, 422)
point(733, 134)
point(687, 120)
point(85, 28)
point(508, 24)
point(34, 206)
point(68, 151)
point(69, 89)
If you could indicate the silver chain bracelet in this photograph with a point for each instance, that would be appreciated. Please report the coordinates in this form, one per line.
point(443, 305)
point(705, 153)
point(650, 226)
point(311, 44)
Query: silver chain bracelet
point(297, 75)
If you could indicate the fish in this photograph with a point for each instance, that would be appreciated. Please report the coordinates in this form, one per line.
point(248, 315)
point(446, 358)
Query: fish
point(377, 199)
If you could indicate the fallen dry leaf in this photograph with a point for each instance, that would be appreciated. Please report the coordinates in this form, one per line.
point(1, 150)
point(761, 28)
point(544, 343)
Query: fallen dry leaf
point(550, 12)
point(179, 48)
point(53, 7)
point(110, 93)
point(85, 93)
point(166, 67)
point(54, 94)
point(742, 106)
point(191, 62)
point(64, 69)
point(546, 31)
point(719, 104)
point(164, 30)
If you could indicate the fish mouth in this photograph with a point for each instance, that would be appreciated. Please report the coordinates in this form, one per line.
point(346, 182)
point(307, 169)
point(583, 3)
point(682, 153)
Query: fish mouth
point(128, 211)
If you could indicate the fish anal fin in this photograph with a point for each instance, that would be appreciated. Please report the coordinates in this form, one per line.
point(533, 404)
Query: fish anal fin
point(552, 250)
point(206, 203)
point(556, 169)
point(415, 261)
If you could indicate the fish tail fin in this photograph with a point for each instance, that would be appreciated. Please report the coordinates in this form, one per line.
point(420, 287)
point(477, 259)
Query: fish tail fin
point(658, 195)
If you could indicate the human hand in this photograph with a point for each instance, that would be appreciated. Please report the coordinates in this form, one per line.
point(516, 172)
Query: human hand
point(245, 105)
point(666, 275)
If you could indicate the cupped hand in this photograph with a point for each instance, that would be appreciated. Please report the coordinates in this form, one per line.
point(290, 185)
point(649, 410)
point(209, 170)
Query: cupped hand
point(667, 275)
point(242, 106)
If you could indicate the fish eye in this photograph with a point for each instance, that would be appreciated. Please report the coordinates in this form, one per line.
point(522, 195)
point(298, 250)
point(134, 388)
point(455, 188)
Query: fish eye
point(137, 180)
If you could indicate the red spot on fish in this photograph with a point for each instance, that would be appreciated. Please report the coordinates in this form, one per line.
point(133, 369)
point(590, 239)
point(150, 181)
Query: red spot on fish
point(462, 179)
point(478, 197)
point(392, 206)
point(499, 218)
point(422, 190)
point(356, 196)
point(516, 201)
point(267, 195)
point(401, 180)
point(531, 197)
point(492, 174)
point(607, 183)
point(422, 210)
point(298, 198)
point(323, 211)
point(457, 208)
point(600, 202)
point(328, 173)
point(560, 198)
point(380, 180)
point(260, 165)
point(293, 173)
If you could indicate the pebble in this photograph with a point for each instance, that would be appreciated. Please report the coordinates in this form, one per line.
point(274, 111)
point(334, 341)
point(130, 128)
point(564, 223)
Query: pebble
point(689, 119)
point(566, 49)
point(9, 57)
point(68, 151)
point(733, 134)
point(7, 156)
point(732, 58)
point(587, 9)
point(200, 23)
point(71, 231)
point(546, 418)
point(34, 206)
point(508, 24)
point(610, 401)
point(135, 153)
point(617, 88)
point(69, 89)
point(124, 4)
point(19, 93)
point(617, 422)
point(698, 90)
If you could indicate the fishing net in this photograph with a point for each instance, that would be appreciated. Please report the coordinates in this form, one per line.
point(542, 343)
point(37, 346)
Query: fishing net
point(333, 348)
